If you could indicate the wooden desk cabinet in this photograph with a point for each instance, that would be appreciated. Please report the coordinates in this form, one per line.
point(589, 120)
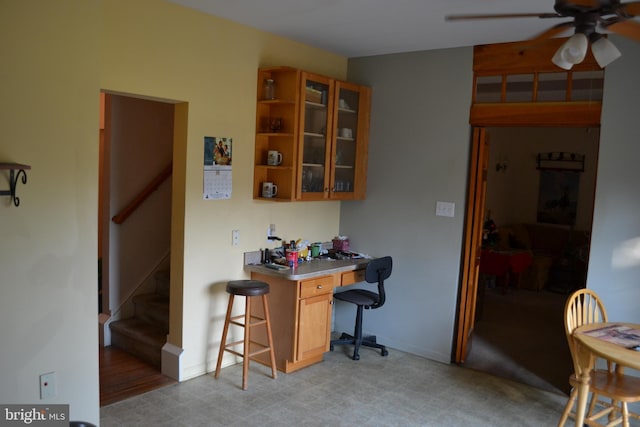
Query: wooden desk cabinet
point(301, 313)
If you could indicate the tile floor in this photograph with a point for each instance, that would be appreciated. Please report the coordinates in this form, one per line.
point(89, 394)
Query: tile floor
point(398, 390)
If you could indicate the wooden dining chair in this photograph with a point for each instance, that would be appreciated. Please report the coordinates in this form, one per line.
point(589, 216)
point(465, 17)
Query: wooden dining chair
point(585, 307)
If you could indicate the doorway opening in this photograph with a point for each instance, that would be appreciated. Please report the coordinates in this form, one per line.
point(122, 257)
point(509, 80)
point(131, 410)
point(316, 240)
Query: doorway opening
point(515, 85)
point(519, 331)
point(138, 139)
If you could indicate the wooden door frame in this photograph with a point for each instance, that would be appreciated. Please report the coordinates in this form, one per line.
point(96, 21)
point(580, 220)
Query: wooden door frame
point(472, 242)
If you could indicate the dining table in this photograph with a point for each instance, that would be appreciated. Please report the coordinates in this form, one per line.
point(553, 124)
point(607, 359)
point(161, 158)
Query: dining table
point(595, 341)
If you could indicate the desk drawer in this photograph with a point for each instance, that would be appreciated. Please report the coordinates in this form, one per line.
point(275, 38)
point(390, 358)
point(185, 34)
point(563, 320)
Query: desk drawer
point(351, 277)
point(318, 286)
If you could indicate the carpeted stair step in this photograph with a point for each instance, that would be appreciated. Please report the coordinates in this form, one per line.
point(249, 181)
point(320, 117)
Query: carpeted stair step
point(163, 282)
point(140, 338)
point(154, 309)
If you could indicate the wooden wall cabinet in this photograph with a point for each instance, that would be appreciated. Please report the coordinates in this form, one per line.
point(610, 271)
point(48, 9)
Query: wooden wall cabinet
point(277, 129)
point(323, 136)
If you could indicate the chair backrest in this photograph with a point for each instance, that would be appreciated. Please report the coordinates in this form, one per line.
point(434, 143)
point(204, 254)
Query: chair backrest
point(377, 271)
point(583, 307)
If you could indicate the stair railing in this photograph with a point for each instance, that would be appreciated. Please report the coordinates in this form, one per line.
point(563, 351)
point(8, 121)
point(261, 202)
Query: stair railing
point(121, 216)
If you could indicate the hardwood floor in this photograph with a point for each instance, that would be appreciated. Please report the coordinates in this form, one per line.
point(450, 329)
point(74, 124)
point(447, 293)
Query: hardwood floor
point(123, 376)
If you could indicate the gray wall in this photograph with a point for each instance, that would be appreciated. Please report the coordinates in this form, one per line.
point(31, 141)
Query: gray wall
point(617, 206)
point(418, 154)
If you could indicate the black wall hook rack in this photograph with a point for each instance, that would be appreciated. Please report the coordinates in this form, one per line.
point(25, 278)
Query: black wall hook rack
point(560, 161)
point(13, 179)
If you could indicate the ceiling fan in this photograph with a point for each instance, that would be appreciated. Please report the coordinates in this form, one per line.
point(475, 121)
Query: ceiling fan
point(587, 16)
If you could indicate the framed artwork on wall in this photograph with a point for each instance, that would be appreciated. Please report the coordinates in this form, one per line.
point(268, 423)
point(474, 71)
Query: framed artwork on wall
point(558, 197)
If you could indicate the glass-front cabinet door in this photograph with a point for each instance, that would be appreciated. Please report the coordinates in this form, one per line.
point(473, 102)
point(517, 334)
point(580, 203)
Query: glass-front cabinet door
point(350, 139)
point(316, 129)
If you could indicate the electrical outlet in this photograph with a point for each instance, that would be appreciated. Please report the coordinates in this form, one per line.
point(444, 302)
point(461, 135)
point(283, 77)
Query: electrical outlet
point(235, 237)
point(47, 385)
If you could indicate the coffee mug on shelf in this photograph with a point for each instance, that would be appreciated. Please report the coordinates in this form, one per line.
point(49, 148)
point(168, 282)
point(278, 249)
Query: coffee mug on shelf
point(346, 133)
point(269, 189)
point(274, 158)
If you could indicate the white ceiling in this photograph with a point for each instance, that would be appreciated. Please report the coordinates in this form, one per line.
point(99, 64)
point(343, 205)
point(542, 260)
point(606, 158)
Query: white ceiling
point(354, 28)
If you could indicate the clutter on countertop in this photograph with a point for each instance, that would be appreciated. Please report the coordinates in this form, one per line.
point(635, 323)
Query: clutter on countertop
point(292, 253)
point(341, 243)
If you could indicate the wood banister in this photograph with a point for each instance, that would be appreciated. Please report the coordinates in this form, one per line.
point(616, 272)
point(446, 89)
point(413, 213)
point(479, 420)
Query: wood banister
point(121, 216)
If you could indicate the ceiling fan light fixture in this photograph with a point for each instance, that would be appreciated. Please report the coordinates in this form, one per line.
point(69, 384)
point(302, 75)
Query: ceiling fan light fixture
point(571, 52)
point(604, 51)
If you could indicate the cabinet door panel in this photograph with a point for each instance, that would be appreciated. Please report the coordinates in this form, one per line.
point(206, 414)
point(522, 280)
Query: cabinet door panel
point(349, 148)
point(314, 326)
point(316, 119)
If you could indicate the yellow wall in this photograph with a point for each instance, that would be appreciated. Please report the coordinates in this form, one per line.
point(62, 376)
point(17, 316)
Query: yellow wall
point(56, 57)
point(161, 50)
point(49, 87)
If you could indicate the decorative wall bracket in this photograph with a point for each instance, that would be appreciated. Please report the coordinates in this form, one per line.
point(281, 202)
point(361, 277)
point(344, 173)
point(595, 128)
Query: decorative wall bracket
point(560, 161)
point(13, 179)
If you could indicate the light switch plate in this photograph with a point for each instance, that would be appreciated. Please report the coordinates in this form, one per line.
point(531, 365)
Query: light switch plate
point(445, 209)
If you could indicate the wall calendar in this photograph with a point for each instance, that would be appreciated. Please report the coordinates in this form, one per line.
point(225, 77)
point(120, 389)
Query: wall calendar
point(217, 168)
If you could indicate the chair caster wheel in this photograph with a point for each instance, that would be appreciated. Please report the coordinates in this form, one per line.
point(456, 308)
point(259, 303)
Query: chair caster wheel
point(384, 353)
point(331, 347)
point(356, 357)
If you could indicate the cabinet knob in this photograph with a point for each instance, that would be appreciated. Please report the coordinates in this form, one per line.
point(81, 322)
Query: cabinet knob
point(319, 287)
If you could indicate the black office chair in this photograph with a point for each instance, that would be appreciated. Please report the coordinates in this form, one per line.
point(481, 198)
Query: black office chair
point(377, 271)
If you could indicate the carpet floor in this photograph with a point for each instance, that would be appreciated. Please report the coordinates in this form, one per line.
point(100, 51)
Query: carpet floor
point(519, 335)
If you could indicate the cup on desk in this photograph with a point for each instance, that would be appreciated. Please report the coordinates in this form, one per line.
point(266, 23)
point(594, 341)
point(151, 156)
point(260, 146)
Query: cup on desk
point(274, 158)
point(292, 257)
point(269, 189)
point(315, 249)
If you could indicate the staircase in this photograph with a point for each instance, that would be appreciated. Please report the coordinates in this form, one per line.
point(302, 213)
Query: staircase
point(144, 334)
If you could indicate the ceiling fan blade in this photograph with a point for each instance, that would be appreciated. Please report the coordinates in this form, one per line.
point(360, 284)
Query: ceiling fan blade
point(586, 3)
point(631, 8)
point(500, 16)
point(627, 28)
point(553, 31)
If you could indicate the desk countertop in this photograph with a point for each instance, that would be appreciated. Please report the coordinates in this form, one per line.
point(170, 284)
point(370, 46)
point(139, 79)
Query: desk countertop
point(314, 268)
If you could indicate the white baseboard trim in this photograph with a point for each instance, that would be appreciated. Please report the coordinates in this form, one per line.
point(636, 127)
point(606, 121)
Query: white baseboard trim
point(171, 355)
point(104, 333)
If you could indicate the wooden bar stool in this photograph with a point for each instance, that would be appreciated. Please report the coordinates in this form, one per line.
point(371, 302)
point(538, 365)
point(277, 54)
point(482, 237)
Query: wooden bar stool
point(248, 289)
